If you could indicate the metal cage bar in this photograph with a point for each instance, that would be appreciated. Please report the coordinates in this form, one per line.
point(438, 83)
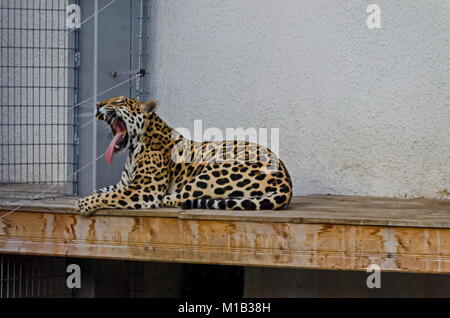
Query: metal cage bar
point(38, 86)
point(23, 276)
point(29, 276)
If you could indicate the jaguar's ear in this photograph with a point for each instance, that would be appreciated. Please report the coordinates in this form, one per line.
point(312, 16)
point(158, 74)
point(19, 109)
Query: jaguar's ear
point(150, 106)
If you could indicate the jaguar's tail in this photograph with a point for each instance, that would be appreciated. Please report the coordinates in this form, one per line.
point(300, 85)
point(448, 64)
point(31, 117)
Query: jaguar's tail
point(273, 201)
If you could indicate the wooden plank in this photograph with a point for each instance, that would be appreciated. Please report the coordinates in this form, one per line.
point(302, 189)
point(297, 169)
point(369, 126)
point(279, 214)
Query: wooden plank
point(324, 246)
point(309, 209)
point(345, 210)
point(68, 204)
point(373, 202)
point(56, 205)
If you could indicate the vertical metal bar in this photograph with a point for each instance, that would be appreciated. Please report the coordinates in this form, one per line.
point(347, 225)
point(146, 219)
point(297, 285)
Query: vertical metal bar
point(27, 278)
point(2, 143)
point(57, 114)
point(8, 78)
point(7, 279)
point(38, 278)
point(50, 92)
point(26, 93)
point(2, 270)
point(60, 134)
point(6, 147)
point(47, 102)
point(142, 38)
point(40, 152)
point(14, 93)
point(49, 54)
point(95, 91)
point(130, 84)
point(33, 72)
point(140, 52)
point(20, 280)
point(14, 279)
point(11, 97)
point(72, 119)
point(43, 277)
point(76, 51)
point(32, 279)
point(19, 102)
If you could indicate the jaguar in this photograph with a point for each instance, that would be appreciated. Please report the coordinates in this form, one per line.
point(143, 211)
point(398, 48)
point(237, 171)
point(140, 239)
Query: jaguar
point(165, 169)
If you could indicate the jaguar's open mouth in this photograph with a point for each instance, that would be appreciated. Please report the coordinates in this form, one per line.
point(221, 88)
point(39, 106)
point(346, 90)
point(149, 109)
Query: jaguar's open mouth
point(120, 137)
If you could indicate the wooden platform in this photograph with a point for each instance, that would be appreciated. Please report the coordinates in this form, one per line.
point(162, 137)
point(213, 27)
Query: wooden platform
point(327, 232)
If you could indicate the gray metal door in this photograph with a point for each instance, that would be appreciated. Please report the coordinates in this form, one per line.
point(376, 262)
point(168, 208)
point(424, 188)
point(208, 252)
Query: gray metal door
point(113, 50)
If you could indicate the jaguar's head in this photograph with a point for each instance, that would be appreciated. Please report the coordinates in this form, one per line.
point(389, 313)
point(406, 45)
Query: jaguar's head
point(127, 117)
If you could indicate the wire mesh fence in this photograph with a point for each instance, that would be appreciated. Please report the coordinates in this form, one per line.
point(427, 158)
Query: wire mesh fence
point(38, 86)
point(29, 276)
point(24, 276)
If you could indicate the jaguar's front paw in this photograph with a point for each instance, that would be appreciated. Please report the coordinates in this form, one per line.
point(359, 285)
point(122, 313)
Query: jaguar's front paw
point(85, 207)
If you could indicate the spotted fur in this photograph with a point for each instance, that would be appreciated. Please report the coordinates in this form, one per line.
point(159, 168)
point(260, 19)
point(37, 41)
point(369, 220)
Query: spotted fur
point(157, 173)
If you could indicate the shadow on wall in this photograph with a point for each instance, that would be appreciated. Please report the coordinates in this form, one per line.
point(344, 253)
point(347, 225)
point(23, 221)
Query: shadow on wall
point(279, 282)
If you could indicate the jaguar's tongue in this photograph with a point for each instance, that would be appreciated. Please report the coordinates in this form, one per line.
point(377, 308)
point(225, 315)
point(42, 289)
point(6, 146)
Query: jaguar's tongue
point(120, 129)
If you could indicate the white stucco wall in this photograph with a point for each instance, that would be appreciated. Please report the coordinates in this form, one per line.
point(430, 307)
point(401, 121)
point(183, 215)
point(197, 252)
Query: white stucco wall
point(360, 112)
